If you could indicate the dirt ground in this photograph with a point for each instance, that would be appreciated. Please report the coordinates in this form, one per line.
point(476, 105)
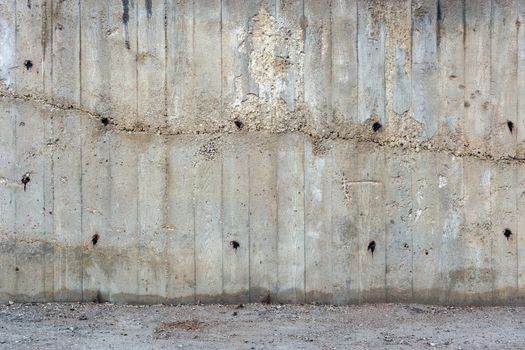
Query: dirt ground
point(258, 326)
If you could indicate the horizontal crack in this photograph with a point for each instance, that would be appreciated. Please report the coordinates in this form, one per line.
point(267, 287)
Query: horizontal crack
point(410, 145)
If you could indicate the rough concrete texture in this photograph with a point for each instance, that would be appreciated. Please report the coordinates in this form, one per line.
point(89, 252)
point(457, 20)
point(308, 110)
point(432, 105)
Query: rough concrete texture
point(335, 151)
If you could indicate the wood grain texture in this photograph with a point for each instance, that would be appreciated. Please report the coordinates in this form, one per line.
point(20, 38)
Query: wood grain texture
point(66, 46)
point(263, 233)
point(180, 221)
point(371, 61)
point(151, 63)
point(425, 72)
point(344, 71)
point(290, 218)
point(318, 225)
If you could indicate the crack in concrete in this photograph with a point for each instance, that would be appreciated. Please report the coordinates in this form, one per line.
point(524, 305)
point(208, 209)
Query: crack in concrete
point(415, 146)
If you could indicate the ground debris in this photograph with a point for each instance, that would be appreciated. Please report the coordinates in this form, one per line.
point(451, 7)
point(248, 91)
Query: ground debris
point(189, 325)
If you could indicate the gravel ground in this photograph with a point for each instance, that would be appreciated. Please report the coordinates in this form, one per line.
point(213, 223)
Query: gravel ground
point(258, 326)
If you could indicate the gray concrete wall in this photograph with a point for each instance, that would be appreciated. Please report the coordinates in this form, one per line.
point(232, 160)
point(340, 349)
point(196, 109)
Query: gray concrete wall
point(229, 150)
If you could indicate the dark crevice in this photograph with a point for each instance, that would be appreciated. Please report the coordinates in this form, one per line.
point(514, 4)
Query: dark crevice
point(94, 239)
point(239, 124)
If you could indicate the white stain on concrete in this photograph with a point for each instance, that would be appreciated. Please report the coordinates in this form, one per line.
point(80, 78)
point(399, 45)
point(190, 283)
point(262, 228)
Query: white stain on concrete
point(6, 53)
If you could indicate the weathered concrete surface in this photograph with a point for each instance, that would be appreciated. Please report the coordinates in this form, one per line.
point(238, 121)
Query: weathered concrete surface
point(331, 151)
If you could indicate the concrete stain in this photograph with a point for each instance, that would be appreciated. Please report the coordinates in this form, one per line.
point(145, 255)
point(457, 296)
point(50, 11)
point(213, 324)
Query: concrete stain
point(148, 4)
point(125, 20)
point(120, 165)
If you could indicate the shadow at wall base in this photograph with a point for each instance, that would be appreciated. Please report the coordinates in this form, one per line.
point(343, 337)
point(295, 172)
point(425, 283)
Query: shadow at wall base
point(505, 297)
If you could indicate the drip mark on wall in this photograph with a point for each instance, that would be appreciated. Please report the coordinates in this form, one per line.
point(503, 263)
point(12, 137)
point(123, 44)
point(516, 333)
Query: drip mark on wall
point(148, 8)
point(125, 20)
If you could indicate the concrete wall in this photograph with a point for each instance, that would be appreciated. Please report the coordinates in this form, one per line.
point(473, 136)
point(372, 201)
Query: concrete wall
point(227, 150)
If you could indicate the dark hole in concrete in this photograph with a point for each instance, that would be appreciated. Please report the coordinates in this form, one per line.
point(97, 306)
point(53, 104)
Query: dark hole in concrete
point(28, 64)
point(267, 299)
point(507, 233)
point(372, 247)
point(376, 126)
point(235, 313)
point(238, 124)
point(25, 180)
point(426, 252)
point(104, 121)
point(17, 269)
point(405, 245)
point(94, 239)
point(235, 244)
point(510, 125)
